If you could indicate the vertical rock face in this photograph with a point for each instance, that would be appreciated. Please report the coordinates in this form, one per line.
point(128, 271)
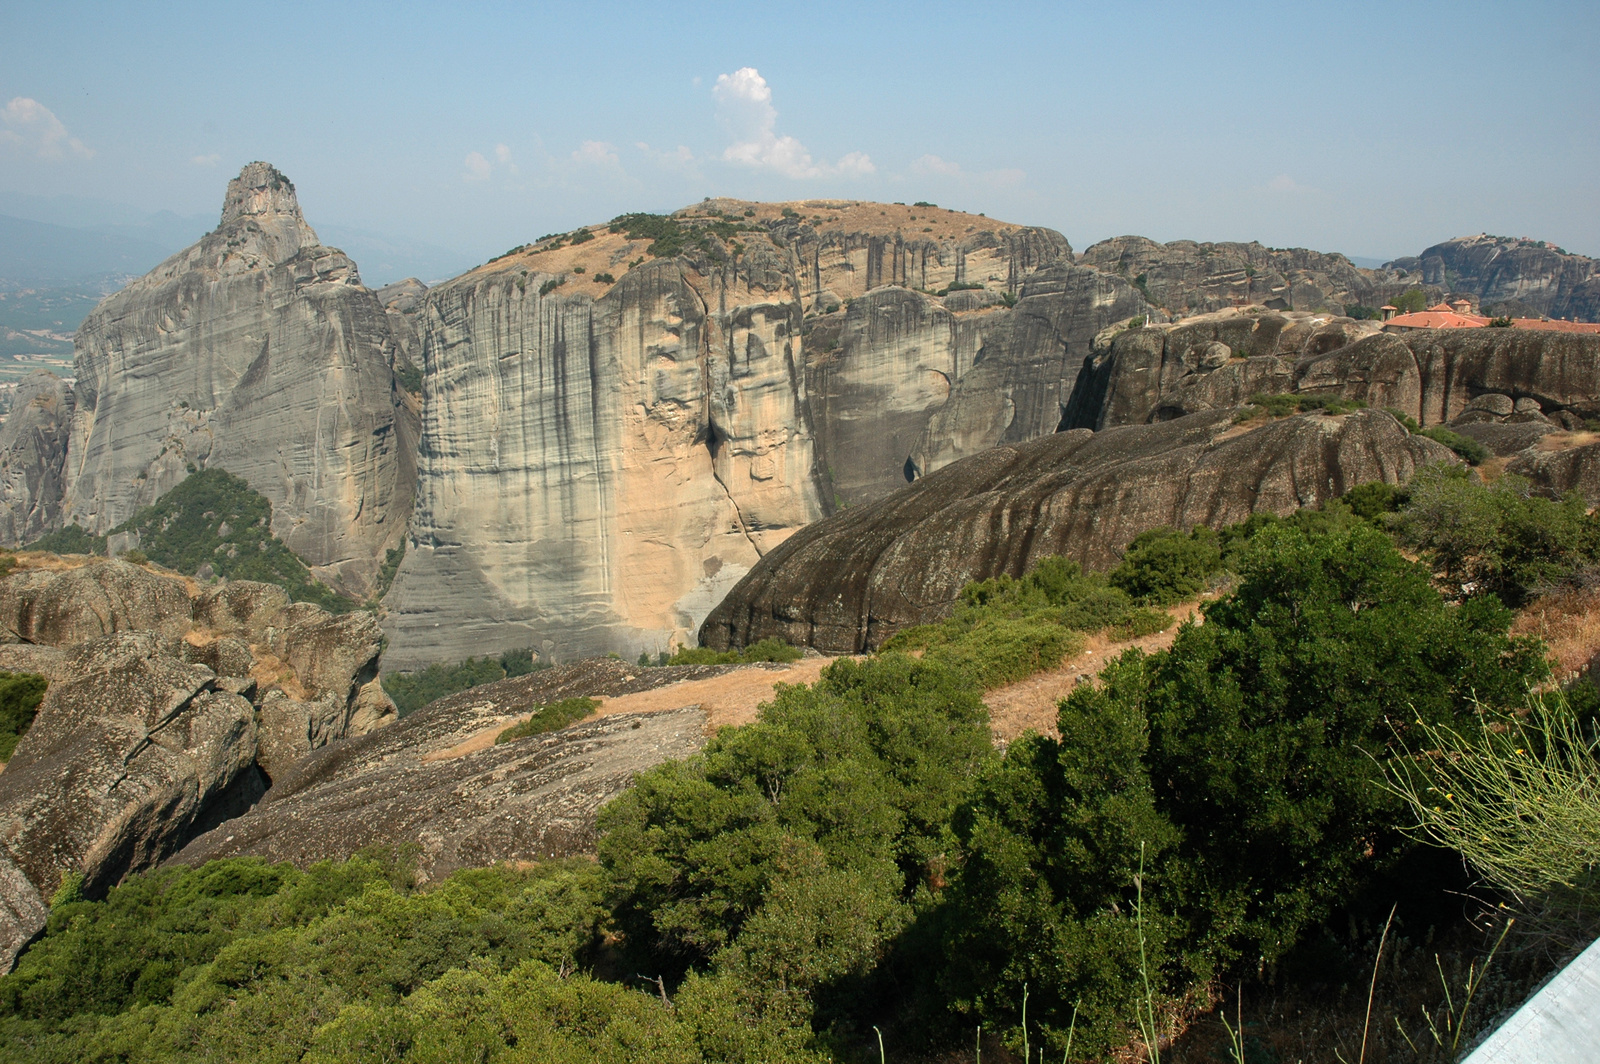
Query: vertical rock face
point(596, 472)
point(1200, 277)
point(611, 439)
point(1516, 276)
point(257, 350)
point(33, 456)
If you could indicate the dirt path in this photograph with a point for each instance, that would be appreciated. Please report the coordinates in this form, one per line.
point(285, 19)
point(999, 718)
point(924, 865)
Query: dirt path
point(1030, 705)
point(728, 699)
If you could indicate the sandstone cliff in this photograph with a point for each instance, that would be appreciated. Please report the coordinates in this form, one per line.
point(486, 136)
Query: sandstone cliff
point(256, 350)
point(620, 421)
point(169, 710)
point(1189, 277)
point(1512, 276)
point(1220, 360)
point(33, 457)
point(848, 583)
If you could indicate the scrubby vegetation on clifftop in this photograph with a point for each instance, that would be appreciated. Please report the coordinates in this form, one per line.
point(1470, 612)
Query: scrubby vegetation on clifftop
point(863, 856)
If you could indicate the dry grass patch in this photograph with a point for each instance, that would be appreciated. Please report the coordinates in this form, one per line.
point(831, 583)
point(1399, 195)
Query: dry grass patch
point(1569, 623)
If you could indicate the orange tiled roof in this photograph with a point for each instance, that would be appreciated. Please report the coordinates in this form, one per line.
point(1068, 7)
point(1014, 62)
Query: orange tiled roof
point(1435, 319)
point(1546, 325)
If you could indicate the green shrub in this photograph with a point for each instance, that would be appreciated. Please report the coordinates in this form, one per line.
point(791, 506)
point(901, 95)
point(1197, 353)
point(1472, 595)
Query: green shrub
point(769, 649)
point(548, 718)
point(1164, 566)
point(604, 278)
point(860, 769)
point(1468, 448)
point(1404, 418)
point(581, 236)
point(551, 285)
point(1503, 322)
point(408, 376)
point(413, 690)
point(70, 540)
point(1276, 406)
point(1501, 538)
point(214, 518)
point(1245, 759)
point(924, 203)
point(20, 695)
point(135, 557)
point(390, 567)
point(1362, 313)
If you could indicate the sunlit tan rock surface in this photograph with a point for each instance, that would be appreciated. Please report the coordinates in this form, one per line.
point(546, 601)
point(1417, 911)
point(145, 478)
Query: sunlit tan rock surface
point(259, 351)
point(612, 438)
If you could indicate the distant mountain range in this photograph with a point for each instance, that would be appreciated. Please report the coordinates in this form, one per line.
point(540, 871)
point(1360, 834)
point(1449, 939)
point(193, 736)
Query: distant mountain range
point(47, 242)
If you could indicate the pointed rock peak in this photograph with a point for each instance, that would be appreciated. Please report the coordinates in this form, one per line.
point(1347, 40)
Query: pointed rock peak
point(262, 195)
point(260, 190)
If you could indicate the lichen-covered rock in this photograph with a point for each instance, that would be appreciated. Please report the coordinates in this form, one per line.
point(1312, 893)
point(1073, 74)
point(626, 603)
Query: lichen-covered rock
point(164, 716)
point(33, 456)
point(83, 603)
point(1560, 471)
point(117, 770)
point(1198, 277)
point(258, 351)
point(436, 779)
point(847, 583)
point(1432, 375)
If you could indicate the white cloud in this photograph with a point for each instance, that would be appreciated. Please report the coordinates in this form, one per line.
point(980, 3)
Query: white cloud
point(744, 108)
point(932, 164)
point(478, 168)
point(206, 160)
point(596, 153)
point(502, 153)
point(679, 160)
point(32, 126)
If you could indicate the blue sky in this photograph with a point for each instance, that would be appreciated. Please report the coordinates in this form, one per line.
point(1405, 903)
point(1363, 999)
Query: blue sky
point(1373, 129)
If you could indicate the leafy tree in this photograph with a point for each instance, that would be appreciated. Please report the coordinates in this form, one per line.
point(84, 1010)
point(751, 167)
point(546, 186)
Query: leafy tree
point(1411, 302)
point(1240, 758)
point(20, 695)
point(1043, 898)
point(860, 770)
point(1499, 538)
point(413, 690)
point(70, 540)
point(214, 518)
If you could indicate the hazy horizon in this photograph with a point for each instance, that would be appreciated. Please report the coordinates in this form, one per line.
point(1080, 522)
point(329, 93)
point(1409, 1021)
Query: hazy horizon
point(1345, 128)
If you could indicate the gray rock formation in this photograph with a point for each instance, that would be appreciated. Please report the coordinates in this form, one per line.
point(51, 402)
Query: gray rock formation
point(164, 716)
point(848, 583)
point(1161, 372)
point(33, 456)
point(1520, 278)
point(259, 351)
point(436, 779)
point(1190, 277)
point(611, 439)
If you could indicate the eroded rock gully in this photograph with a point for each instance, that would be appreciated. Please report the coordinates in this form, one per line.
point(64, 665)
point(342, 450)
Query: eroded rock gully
point(170, 708)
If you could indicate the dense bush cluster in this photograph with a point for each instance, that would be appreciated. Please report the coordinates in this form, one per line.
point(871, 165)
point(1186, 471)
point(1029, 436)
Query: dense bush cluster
point(550, 717)
point(214, 518)
point(762, 650)
point(413, 690)
point(863, 856)
point(20, 695)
